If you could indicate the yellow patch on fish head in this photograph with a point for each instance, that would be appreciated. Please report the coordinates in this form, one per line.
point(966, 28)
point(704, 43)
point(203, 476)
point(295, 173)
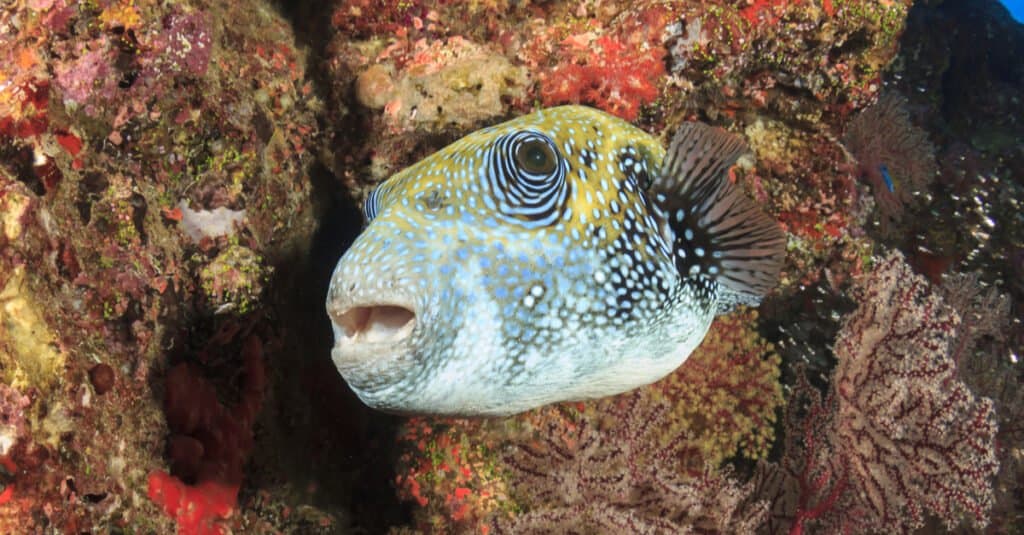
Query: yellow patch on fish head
point(565, 168)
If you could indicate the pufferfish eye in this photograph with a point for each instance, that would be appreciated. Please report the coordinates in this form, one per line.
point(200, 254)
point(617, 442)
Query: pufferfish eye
point(536, 157)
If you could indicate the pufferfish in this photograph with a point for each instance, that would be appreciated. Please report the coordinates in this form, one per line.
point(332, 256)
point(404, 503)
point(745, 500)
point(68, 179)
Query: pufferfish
point(562, 255)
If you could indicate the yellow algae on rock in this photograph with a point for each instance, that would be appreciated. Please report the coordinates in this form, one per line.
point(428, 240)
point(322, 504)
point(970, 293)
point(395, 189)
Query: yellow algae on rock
point(29, 356)
point(454, 82)
point(234, 279)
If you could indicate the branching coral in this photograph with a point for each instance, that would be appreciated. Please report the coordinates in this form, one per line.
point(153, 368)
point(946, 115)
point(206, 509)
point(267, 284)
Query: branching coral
point(984, 339)
point(899, 435)
point(892, 154)
point(621, 472)
point(918, 438)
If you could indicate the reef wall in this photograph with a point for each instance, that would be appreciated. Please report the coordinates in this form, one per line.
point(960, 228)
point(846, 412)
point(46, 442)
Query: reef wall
point(177, 180)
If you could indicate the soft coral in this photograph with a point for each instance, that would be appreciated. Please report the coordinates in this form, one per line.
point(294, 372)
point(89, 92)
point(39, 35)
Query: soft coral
point(604, 72)
point(209, 444)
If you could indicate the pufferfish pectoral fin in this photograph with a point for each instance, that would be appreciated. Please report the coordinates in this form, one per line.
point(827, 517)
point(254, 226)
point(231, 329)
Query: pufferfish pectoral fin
point(719, 232)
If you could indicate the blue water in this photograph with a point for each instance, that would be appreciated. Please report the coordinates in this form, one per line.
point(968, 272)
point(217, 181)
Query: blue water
point(1016, 8)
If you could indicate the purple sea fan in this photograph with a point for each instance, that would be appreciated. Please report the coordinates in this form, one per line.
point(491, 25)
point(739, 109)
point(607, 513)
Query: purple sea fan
point(897, 435)
point(913, 435)
point(893, 156)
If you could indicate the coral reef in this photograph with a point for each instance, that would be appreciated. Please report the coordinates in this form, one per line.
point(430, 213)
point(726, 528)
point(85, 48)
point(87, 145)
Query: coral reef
point(539, 470)
point(450, 472)
point(892, 155)
point(985, 330)
point(922, 439)
point(605, 73)
point(725, 398)
point(621, 471)
point(177, 179)
point(806, 61)
point(898, 434)
point(113, 114)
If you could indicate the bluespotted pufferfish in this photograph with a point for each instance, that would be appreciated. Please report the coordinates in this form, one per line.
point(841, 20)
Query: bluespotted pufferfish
point(562, 255)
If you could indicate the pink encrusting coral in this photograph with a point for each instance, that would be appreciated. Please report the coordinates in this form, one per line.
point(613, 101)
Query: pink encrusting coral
point(105, 72)
point(605, 72)
point(90, 74)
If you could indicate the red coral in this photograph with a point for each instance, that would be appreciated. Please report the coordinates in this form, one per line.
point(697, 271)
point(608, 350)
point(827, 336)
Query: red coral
point(366, 18)
point(820, 482)
point(29, 111)
point(195, 507)
point(8, 492)
point(444, 471)
point(606, 73)
point(765, 11)
point(209, 444)
point(70, 142)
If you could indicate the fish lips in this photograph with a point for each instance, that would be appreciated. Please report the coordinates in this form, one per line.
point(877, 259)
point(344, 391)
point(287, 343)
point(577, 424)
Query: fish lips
point(372, 337)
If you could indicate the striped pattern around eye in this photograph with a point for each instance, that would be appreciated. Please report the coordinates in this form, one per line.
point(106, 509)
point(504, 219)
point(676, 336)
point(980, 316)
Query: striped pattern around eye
point(372, 204)
point(530, 200)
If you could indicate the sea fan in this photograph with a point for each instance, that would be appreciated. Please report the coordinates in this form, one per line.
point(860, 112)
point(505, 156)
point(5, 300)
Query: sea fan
point(893, 156)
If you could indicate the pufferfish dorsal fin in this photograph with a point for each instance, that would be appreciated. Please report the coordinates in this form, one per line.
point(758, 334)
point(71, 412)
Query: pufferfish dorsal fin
point(719, 232)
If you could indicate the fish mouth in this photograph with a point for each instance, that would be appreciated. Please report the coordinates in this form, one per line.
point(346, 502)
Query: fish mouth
point(373, 343)
point(373, 325)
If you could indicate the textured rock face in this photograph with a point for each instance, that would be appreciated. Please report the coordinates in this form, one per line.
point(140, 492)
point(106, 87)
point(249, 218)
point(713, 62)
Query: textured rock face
point(111, 115)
